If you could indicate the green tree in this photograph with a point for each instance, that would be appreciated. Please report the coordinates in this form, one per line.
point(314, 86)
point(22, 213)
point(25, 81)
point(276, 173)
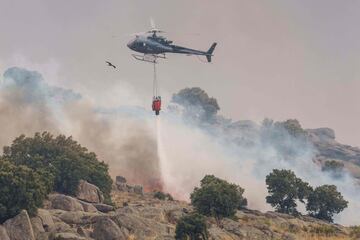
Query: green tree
point(21, 188)
point(218, 198)
point(325, 201)
point(197, 103)
point(61, 162)
point(191, 227)
point(284, 189)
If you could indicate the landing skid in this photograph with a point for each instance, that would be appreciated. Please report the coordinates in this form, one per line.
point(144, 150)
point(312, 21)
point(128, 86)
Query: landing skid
point(151, 58)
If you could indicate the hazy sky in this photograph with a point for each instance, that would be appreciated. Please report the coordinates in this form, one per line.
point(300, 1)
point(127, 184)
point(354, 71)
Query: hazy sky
point(278, 59)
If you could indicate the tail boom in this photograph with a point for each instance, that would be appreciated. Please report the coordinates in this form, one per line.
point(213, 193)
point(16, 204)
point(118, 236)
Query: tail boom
point(209, 53)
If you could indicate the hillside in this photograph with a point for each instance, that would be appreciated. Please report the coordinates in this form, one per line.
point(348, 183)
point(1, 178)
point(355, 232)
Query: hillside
point(328, 149)
point(140, 216)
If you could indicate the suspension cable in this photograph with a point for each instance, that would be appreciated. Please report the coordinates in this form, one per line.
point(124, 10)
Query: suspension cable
point(155, 82)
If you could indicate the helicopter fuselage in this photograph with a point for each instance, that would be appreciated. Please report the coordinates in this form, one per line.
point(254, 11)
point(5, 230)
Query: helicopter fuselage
point(159, 45)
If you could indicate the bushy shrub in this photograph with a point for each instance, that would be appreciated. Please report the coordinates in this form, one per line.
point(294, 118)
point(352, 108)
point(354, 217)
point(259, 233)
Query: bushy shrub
point(217, 197)
point(335, 168)
point(21, 188)
point(191, 227)
point(61, 161)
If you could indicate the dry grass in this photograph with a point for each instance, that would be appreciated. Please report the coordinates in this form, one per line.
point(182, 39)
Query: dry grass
point(312, 237)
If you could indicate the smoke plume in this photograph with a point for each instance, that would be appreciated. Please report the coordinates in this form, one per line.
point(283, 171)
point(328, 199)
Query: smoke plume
point(173, 152)
point(28, 105)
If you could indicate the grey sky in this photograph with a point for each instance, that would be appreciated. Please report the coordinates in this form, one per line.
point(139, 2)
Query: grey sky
point(278, 59)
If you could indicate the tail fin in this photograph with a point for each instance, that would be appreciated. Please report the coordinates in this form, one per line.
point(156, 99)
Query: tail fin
point(210, 51)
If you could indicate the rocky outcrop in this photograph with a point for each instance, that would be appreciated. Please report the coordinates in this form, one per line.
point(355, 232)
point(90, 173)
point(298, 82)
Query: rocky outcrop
point(63, 202)
point(122, 186)
point(106, 229)
point(3, 233)
point(37, 226)
point(145, 217)
point(89, 192)
point(328, 149)
point(77, 218)
point(46, 219)
point(88, 207)
point(19, 227)
point(321, 134)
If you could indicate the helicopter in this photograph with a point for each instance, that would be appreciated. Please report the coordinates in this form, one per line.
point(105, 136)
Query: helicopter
point(154, 46)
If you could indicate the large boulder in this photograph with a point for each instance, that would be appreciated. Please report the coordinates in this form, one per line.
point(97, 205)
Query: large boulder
point(103, 207)
point(88, 207)
point(89, 192)
point(46, 218)
point(19, 227)
point(67, 236)
point(37, 226)
point(61, 227)
point(84, 232)
point(140, 227)
point(76, 217)
point(3, 233)
point(63, 202)
point(106, 229)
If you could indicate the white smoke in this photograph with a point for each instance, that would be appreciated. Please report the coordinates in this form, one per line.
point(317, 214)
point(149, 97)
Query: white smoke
point(244, 153)
point(173, 151)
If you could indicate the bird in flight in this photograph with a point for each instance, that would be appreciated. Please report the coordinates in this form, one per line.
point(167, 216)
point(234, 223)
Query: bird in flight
point(110, 64)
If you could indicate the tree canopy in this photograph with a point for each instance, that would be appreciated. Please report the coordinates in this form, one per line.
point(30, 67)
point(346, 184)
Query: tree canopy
point(218, 198)
point(325, 201)
point(285, 189)
point(21, 188)
point(60, 161)
point(197, 103)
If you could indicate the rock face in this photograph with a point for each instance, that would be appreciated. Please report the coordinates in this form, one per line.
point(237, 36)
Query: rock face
point(321, 134)
point(326, 145)
point(19, 227)
point(328, 149)
point(89, 193)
